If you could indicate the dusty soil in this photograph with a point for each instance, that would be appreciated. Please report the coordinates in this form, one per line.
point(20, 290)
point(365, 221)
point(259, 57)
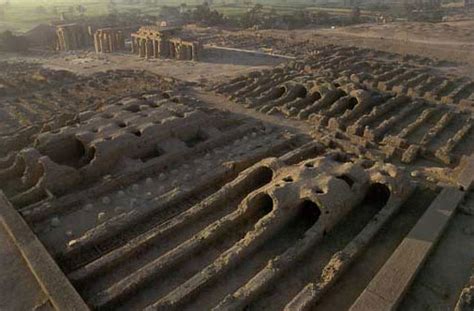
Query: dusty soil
point(449, 41)
point(454, 34)
point(216, 65)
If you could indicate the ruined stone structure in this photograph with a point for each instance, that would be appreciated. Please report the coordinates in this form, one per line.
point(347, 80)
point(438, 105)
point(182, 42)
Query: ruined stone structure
point(369, 102)
point(81, 155)
point(51, 106)
point(108, 40)
point(156, 42)
point(286, 204)
point(73, 37)
point(164, 199)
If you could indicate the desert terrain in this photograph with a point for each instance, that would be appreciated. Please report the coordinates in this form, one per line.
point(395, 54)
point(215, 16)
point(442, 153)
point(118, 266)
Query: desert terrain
point(208, 168)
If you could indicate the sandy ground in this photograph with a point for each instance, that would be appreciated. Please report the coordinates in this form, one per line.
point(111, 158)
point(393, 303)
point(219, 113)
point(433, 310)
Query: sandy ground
point(450, 41)
point(449, 33)
point(216, 65)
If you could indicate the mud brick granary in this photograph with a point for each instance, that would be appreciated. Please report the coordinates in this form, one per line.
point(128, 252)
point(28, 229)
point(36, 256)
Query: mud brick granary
point(329, 182)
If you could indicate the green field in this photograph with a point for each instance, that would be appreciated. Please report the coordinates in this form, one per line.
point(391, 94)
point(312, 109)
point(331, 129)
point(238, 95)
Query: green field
point(22, 15)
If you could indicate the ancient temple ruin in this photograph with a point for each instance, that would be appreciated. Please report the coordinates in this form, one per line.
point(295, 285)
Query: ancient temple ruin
point(72, 37)
point(159, 42)
point(108, 40)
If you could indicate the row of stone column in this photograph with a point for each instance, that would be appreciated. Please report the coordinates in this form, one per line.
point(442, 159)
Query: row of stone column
point(72, 37)
point(108, 41)
point(164, 48)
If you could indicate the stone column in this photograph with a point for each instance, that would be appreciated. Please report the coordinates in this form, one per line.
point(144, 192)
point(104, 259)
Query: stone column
point(139, 47)
point(103, 38)
point(135, 46)
point(163, 48)
point(142, 47)
point(189, 52)
point(195, 52)
point(148, 48)
point(111, 42)
point(96, 43)
point(183, 51)
point(64, 39)
point(155, 48)
point(172, 50)
point(177, 49)
point(105, 43)
point(122, 41)
point(100, 43)
point(118, 39)
point(60, 36)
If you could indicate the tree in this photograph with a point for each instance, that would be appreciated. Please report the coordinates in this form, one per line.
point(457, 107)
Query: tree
point(253, 17)
point(183, 8)
point(203, 14)
point(112, 8)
